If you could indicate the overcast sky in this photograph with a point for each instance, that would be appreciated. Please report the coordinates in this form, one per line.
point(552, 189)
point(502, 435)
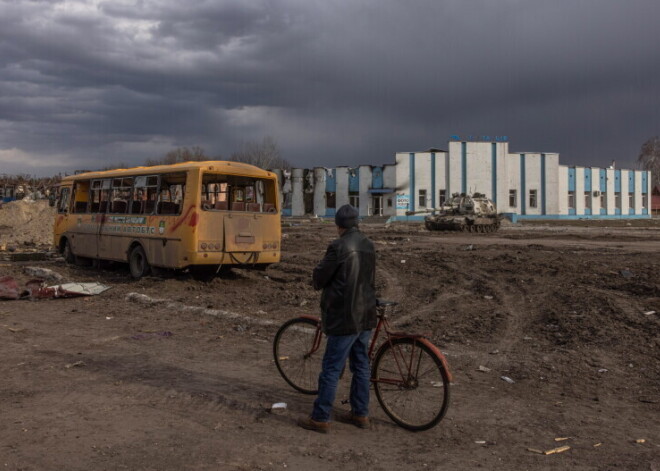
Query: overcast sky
point(84, 84)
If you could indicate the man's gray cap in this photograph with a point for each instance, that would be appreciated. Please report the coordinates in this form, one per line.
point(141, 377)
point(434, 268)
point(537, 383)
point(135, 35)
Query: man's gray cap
point(346, 216)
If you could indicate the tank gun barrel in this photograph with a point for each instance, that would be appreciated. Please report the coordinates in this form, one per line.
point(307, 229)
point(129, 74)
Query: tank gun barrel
point(422, 211)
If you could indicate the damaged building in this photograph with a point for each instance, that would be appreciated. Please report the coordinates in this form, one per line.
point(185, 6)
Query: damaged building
point(523, 185)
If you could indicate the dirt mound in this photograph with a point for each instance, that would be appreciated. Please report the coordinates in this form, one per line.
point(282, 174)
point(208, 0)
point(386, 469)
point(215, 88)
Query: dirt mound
point(26, 222)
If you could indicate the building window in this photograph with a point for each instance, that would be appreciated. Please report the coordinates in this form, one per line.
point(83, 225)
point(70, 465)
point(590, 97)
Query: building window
point(533, 198)
point(330, 199)
point(631, 200)
point(422, 199)
point(389, 202)
point(513, 198)
point(617, 200)
point(587, 200)
point(442, 197)
point(603, 200)
point(571, 200)
point(354, 199)
point(645, 201)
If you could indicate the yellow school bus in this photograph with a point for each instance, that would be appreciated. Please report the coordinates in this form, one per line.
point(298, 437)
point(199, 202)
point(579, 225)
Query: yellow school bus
point(199, 215)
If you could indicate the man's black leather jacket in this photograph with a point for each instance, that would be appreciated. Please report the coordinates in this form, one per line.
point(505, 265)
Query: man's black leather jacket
point(347, 276)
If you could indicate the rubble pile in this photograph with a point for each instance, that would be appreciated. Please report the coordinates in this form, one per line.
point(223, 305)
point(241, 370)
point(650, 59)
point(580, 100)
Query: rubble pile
point(26, 223)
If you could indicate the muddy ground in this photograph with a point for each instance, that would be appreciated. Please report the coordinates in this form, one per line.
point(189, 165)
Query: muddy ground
point(565, 311)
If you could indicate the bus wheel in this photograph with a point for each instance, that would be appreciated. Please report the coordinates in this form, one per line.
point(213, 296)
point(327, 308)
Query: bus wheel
point(137, 262)
point(67, 253)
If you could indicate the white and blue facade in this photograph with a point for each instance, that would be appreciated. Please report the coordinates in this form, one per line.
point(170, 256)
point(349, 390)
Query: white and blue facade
point(523, 185)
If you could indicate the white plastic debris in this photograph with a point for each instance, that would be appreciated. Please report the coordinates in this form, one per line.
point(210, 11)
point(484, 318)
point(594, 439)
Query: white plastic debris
point(278, 407)
point(507, 379)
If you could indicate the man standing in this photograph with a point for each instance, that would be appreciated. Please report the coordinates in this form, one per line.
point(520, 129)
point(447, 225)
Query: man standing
point(348, 308)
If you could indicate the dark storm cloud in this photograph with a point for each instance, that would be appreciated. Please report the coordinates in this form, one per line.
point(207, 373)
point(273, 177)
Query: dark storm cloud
point(83, 83)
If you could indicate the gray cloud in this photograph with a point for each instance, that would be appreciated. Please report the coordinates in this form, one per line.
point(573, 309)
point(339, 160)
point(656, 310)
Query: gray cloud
point(85, 83)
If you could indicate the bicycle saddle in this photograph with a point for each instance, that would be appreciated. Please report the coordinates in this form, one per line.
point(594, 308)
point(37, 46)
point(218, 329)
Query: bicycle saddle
point(382, 302)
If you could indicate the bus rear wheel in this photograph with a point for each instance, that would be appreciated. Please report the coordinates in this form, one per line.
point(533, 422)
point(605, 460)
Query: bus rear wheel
point(137, 262)
point(67, 253)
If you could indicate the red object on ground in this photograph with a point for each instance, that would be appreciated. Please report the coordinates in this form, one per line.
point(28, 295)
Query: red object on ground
point(9, 288)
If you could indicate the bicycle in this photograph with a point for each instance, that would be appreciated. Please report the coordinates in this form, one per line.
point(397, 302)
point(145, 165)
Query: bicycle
point(410, 375)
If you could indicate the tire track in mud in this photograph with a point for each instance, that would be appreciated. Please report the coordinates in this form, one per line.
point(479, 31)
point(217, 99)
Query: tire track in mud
point(394, 290)
point(511, 298)
point(143, 382)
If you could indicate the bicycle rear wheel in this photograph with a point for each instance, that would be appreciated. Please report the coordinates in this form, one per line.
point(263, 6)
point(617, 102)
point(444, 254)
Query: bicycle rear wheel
point(298, 349)
point(411, 383)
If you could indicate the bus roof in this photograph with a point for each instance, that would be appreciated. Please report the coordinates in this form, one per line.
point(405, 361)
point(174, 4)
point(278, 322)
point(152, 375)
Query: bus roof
point(220, 166)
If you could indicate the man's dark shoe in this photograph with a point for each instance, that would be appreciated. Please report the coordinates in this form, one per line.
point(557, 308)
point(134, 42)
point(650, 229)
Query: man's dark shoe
point(310, 424)
point(350, 418)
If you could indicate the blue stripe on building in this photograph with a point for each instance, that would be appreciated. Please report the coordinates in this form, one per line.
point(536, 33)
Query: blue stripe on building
point(433, 179)
point(331, 187)
point(617, 189)
point(354, 179)
point(543, 187)
point(411, 200)
point(494, 171)
point(587, 188)
point(463, 167)
point(523, 191)
point(331, 181)
point(603, 188)
point(571, 187)
point(377, 178)
point(645, 182)
point(631, 189)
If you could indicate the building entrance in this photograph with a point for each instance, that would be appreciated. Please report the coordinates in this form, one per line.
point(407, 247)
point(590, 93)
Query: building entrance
point(377, 206)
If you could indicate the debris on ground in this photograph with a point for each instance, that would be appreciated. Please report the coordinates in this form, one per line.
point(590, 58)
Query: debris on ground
point(38, 289)
point(75, 364)
point(9, 289)
point(278, 408)
point(148, 335)
point(43, 273)
point(560, 449)
point(483, 369)
point(507, 379)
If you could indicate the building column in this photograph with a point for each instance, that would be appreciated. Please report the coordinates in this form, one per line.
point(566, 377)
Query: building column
point(319, 191)
point(297, 197)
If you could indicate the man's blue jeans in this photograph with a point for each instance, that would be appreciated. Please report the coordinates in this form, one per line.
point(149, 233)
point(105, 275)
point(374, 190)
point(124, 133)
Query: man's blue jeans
point(338, 349)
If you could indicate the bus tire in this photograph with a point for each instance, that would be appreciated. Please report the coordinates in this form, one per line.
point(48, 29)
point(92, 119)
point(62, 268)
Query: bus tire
point(138, 263)
point(67, 253)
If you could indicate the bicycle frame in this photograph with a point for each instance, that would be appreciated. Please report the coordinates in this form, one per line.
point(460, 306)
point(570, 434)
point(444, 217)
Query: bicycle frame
point(383, 325)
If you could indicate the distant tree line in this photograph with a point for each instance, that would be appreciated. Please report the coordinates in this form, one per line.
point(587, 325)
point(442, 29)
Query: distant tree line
point(649, 159)
point(264, 154)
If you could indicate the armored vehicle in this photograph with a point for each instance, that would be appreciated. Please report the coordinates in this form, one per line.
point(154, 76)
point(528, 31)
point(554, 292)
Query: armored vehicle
point(463, 212)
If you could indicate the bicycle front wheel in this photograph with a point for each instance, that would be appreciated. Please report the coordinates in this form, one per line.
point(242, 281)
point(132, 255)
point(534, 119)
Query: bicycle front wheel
point(298, 349)
point(411, 383)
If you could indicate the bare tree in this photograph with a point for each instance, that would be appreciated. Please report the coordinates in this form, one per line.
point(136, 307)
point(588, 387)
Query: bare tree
point(180, 154)
point(115, 166)
point(649, 159)
point(263, 154)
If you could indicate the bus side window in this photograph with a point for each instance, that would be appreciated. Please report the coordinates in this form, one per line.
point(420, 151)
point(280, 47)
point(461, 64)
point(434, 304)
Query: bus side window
point(80, 197)
point(63, 204)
